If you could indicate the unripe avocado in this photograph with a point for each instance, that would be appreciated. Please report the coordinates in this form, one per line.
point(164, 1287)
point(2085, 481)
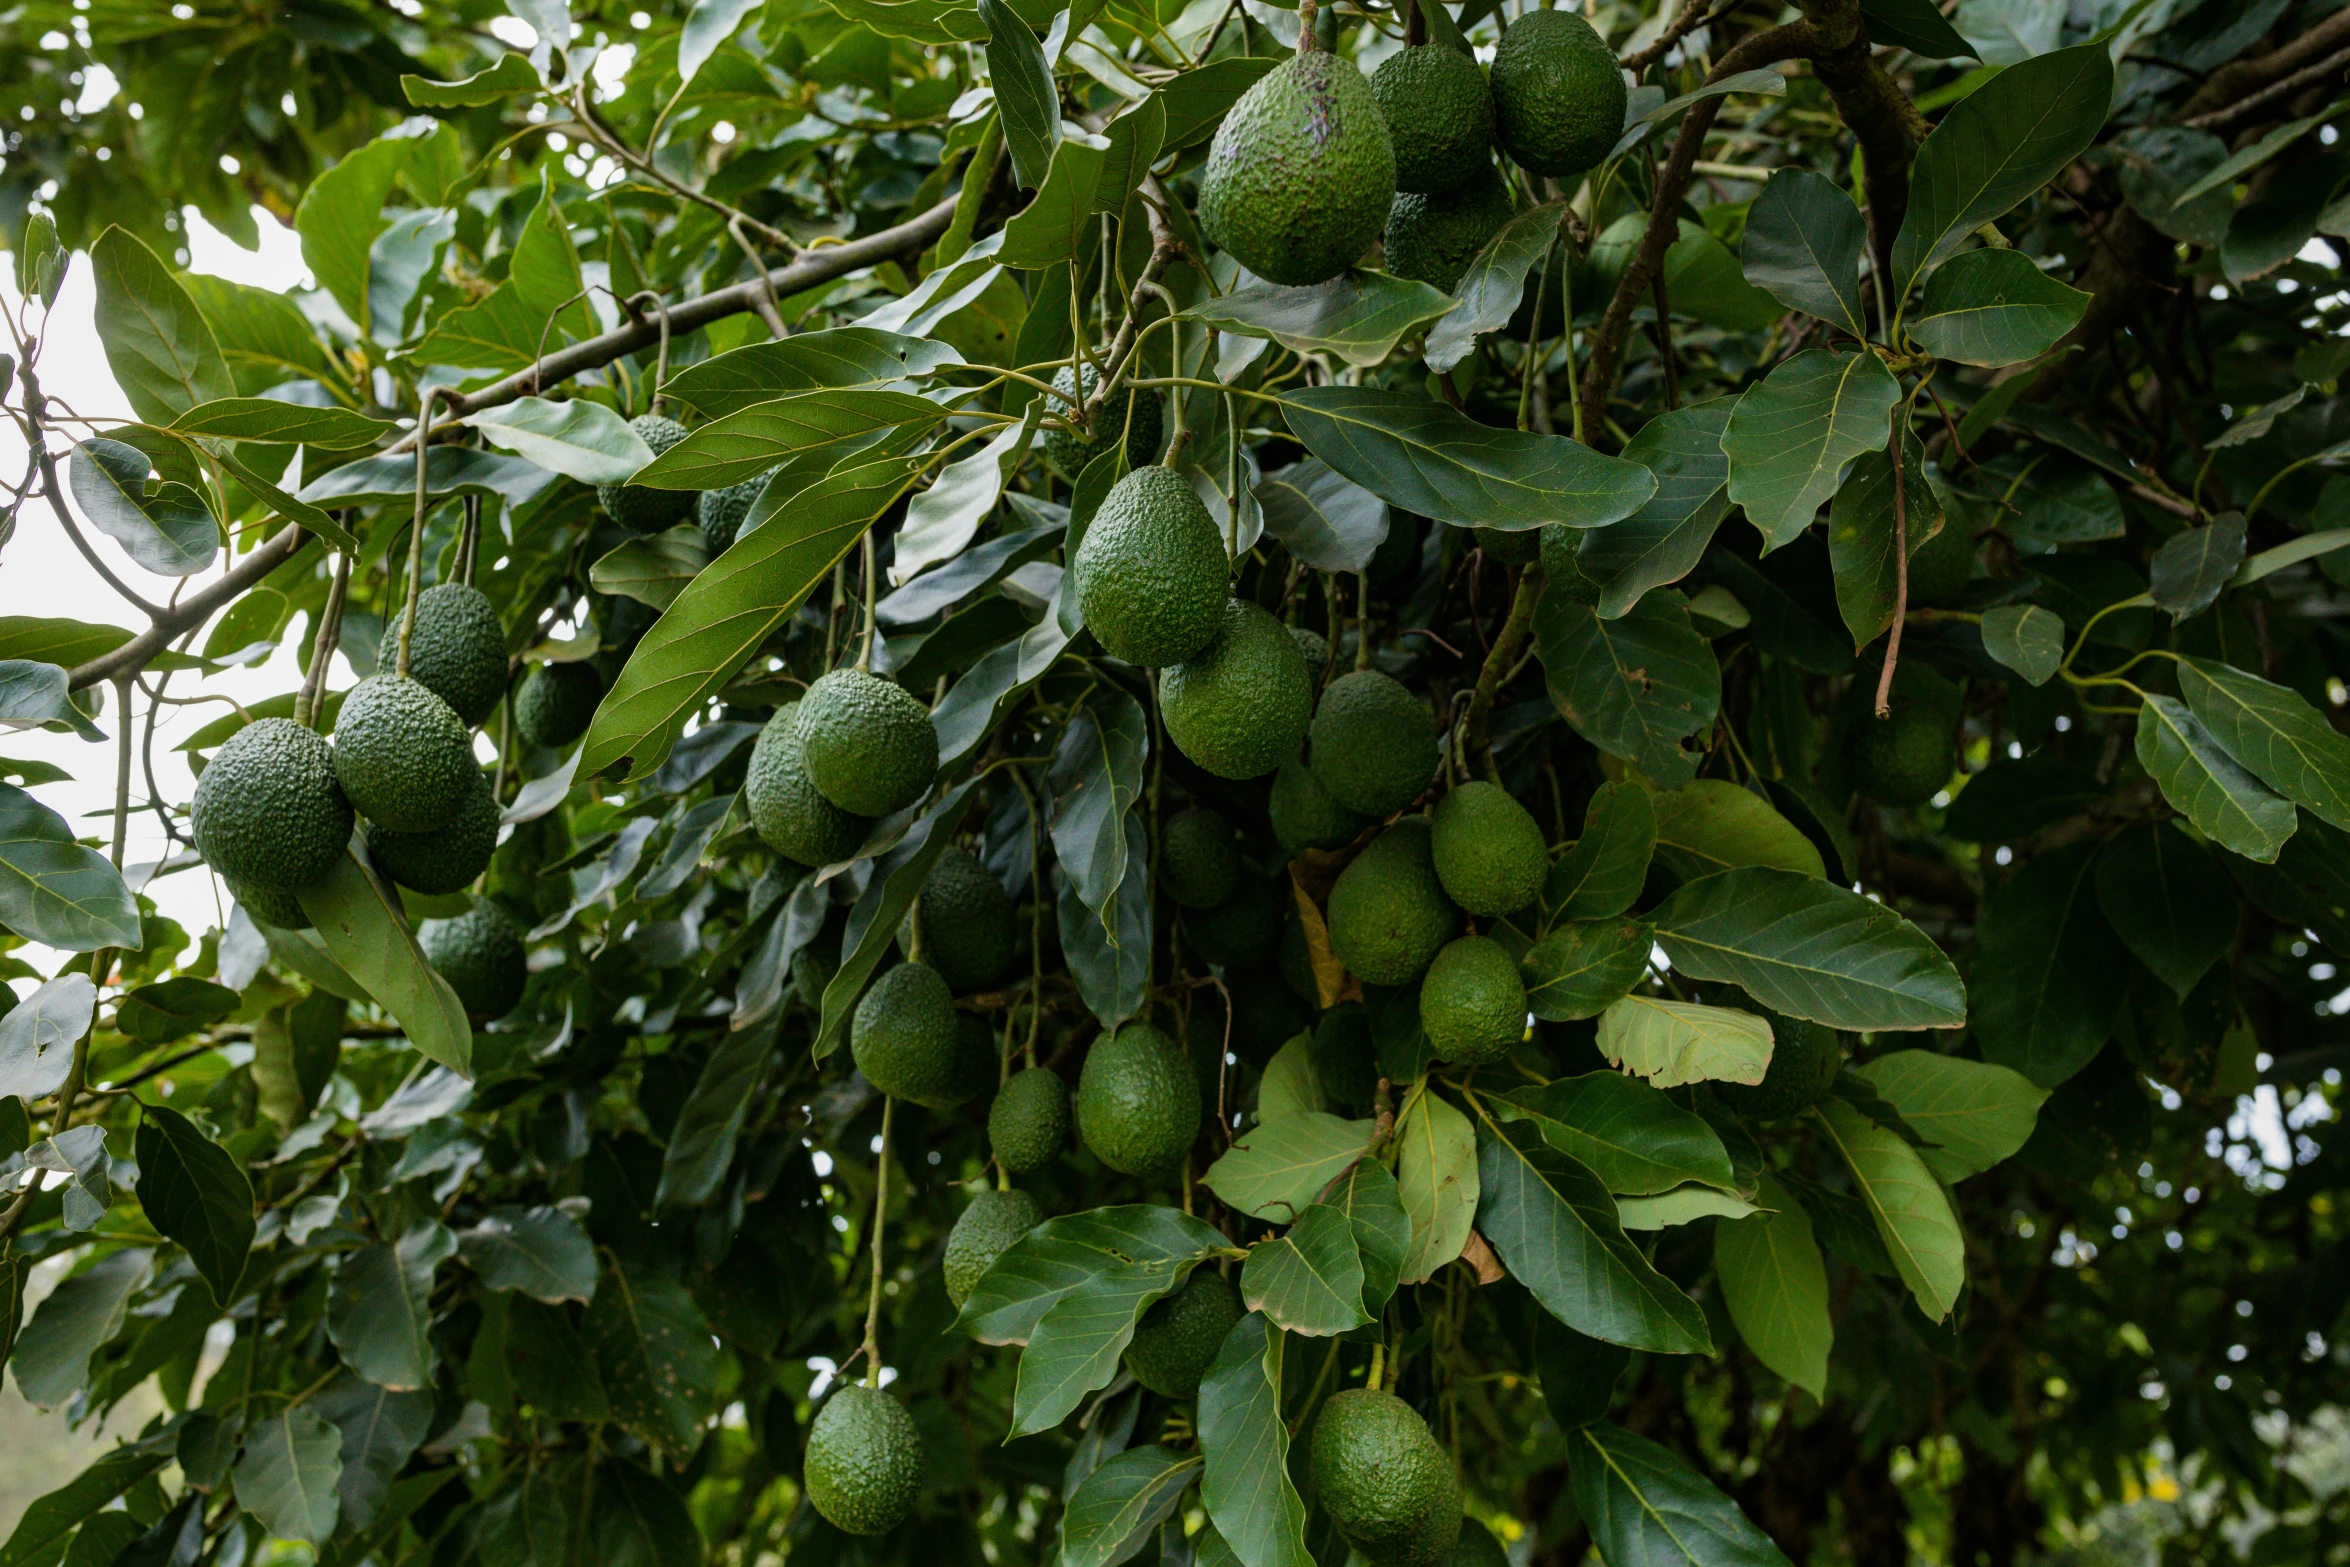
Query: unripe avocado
point(443, 861)
point(1344, 1061)
point(1472, 1003)
point(965, 920)
point(1389, 1487)
point(863, 1466)
point(721, 513)
point(1137, 418)
point(1488, 849)
point(1434, 237)
point(792, 815)
point(1388, 912)
point(1152, 577)
point(1512, 546)
point(908, 1041)
point(480, 954)
point(1303, 814)
point(636, 507)
point(1239, 707)
point(1905, 760)
point(1439, 115)
point(403, 758)
point(1805, 1058)
point(269, 813)
point(458, 649)
point(1301, 172)
point(1028, 1124)
point(1558, 95)
point(1199, 858)
point(1177, 1339)
point(1239, 932)
point(268, 906)
point(1138, 1102)
point(1943, 565)
point(555, 704)
point(1562, 563)
point(869, 743)
point(984, 1232)
point(1316, 648)
point(1373, 743)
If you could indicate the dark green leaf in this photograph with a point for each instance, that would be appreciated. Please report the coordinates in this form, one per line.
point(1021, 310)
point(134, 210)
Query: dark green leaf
point(40, 1535)
point(641, 1521)
point(342, 213)
point(1974, 1113)
point(268, 419)
point(1325, 520)
point(194, 1192)
point(749, 441)
point(2201, 779)
point(1646, 1508)
point(1096, 776)
point(51, 1361)
point(378, 1310)
point(2048, 971)
point(652, 569)
point(1776, 1287)
point(448, 470)
point(163, 355)
point(1915, 25)
point(2168, 900)
point(1602, 872)
point(542, 1252)
point(170, 533)
point(875, 917)
point(1794, 435)
point(2011, 800)
point(287, 1475)
point(1309, 1279)
point(1110, 955)
point(54, 891)
point(1803, 246)
point(1913, 1213)
point(1245, 1485)
point(380, 1431)
point(1025, 96)
point(848, 356)
point(360, 923)
point(1064, 1254)
point(1490, 289)
point(2273, 732)
point(37, 1036)
point(2024, 637)
point(2195, 564)
point(653, 1348)
point(1195, 102)
point(1714, 825)
point(1581, 967)
point(1635, 687)
point(1111, 1515)
point(702, 1140)
point(1994, 307)
point(1370, 1199)
point(1087, 176)
point(173, 1009)
point(1359, 317)
point(1861, 529)
point(1662, 542)
point(1630, 1135)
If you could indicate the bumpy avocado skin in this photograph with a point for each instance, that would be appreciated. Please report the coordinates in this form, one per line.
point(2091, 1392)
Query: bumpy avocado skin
point(1301, 172)
point(269, 813)
point(863, 1466)
point(1558, 96)
point(1512, 547)
point(403, 758)
point(908, 1041)
point(1373, 743)
point(1388, 914)
point(480, 954)
point(637, 507)
point(791, 814)
point(443, 861)
point(1303, 814)
point(1472, 1002)
point(1562, 563)
point(1137, 418)
point(869, 743)
point(1439, 115)
point(984, 1232)
point(1389, 1487)
point(1434, 237)
point(721, 513)
point(1240, 707)
point(1241, 931)
point(268, 906)
point(1905, 760)
point(555, 704)
point(1028, 1124)
point(1152, 577)
point(458, 650)
point(1138, 1101)
point(1199, 858)
point(1488, 849)
point(966, 922)
point(1177, 1339)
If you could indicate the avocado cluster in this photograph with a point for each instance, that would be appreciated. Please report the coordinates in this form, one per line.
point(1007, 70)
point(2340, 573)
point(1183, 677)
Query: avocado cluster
point(1135, 419)
point(857, 747)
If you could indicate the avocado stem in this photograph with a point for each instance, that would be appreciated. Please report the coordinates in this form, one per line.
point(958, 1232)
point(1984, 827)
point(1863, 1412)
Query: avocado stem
point(1305, 26)
point(872, 1345)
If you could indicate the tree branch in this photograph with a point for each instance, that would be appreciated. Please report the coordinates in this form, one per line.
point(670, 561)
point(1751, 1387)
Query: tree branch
point(2238, 79)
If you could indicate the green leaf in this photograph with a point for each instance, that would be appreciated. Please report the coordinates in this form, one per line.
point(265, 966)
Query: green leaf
point(1673, 1043)
point(1436, 1180)
point(1912, 1211)
point(1554, 1226)
point(2193, 565)
point(1109, 953)
point(575, 438)
point(1368, 1196)
point(1025, 96)
point(1639, 122)
point(1776, 1287)
point(1246, 1487)
point(1681, 1205)
point(162, 353)
point(1358, 317)
point(846, 356)
point(342, 213)
point(1110, 1516)
point(1493, 284)
point(652, 569)
point(702, 1140)
point(1630, 1135)
point(2026, 638)
point(1427, 458)
point(1803, 247)
point(287, 1475)
point(1994, 307)
point(1974, 1113)
point(512, 74)
point(170, 533)
point(1582, 967)
point(380, 1431)
point(1076, 1345)
point(1091, 175)
point(1713, 825)
point(173, 1009)
point(1794, 435)
point(654, 1351)
point(1066, 1253)
point(1324, 519)
point(51, 1361)
point(1860, 535)
point(942, 521)
point(268, 419)
point(2257, 153)
point(448, 470)
point(1646, 1508)
point(2049, 972)
point(48, 641)
point(1280, 1165)
point(1195, 102)
point(2270, 561)
point(2274, 733)
point(640, 1520)
point(2168, 900)
point(543, 1252)
point(1811, 949)
point(875, 918)
point(37, 1036)
point(54, 891)
point(1309, 1279)
point(361, 924)
point(1635, 687)
point(1602, 872)
point(194, 1192)
point(2203, 781)
point(1915, 25)
point(379, 1307)
point(746, 443)
point(1096, 776)
point(1997, 146)
point(1663, 541)
point(40, 1535)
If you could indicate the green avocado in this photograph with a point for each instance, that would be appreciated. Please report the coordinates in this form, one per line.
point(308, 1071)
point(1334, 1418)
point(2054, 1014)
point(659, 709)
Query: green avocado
point(1562, 563)
point(1028, 1124)
point(269, 813)
point(868, 742)
point(792, 815)
point(1512, 546)
point(458, 649)
point(268, 906)
point(1558, 94)
point(1301, 172)
point(1199, 858)
point(1373, 743)
point(1303, 814)
point(722, 513)
point(641, 509)
point(445, 861)
point(984, 1232)
point(907, 1039)
point(1316, 648)
point(1138, 1104)
point(1389, 1487)
point(556, 703)
point(1472, 1002)
point(1941, 568)
point(1177, 1339)
point(1434, 237)
point(966, 922)
point(1388, 913)
point(1239, 708)
point(1152, 577)
point(1241, 931)
point(1137, 418)
point(1488, 849)
point(1439, 116)
point(863, 1466)
point(1805, 1058)
point(403, 758)
point(1905, 760)
point(480, 954)
point(1344, 1062)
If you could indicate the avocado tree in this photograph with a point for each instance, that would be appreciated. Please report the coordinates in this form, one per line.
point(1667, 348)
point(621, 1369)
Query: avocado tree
point(1189, 781)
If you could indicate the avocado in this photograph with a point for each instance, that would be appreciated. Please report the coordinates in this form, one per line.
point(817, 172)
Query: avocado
point(1301, 172)
point(1241, 931)
point(1512, 546)
point(1439, 116)
point(1388, 912)
point(1558, 94)
point(269, 813)
point(1344, 1062)
point(1028, 1124)
point(1138, 1105)
point(1137, 418)
point(1488, 849)
point(1152, 576)
point(556, 703)
point(1805, 1058)
point(1472, 1003)
point(1905, 760)
point(403, 758)
point(869, 744)
point(480, 954)
point(458, 649)
point(984, 1232)
point(1239, 708)
point(722, 513)
point(268, 906)
point(1433, 238)
point(1562, 563)
point(813, 966)
point(445, 861)
point(793, 816)
point(1316, 648)
point(636, 507)
point(1941, 568)
point(1199, 858)
point(965, 920)
point(907, 1039)
point(1303, 814)
point(1386, 1484)
point(1373, 743)
point(1176, 1340)
point(863, 1466)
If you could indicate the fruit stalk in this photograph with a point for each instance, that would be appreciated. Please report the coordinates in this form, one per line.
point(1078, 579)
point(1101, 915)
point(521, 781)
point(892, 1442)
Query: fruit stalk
point(872, 1347)
point(1900, 571)
point(322, 648)
point(416, 528)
